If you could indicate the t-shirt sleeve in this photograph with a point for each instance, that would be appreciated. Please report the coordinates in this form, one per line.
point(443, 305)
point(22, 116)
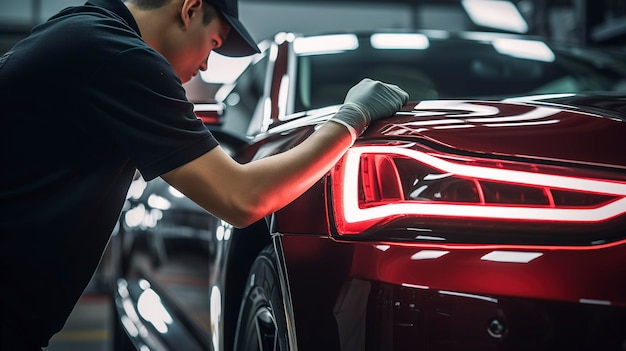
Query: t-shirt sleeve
point(140, 104)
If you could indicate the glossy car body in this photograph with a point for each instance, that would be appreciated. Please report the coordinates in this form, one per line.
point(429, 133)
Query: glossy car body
point(457, 224)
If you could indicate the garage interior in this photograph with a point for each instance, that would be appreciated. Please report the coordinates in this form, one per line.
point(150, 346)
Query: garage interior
point(591, 22)
point(595, 22)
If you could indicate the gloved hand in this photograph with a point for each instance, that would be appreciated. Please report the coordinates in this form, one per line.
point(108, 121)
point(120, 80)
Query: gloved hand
point(368, 101)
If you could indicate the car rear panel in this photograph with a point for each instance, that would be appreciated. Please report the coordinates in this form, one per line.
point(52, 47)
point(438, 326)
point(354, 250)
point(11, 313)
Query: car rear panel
point(468, 283)
point(511, 130)
point(370, 296)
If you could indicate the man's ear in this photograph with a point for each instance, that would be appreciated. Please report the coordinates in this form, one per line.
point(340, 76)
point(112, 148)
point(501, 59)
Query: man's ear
point(190, 8)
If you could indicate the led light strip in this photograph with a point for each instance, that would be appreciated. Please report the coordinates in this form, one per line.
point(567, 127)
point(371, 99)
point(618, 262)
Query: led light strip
point(354, 214)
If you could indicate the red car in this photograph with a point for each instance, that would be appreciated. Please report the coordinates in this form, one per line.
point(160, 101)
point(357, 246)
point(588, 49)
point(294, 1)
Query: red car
point(474, 219)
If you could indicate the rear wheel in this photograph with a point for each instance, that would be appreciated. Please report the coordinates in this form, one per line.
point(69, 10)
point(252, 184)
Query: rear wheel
point(262, 324)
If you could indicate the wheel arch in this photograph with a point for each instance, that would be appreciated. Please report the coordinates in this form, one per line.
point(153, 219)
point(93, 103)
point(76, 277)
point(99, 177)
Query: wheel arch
point(245, 245)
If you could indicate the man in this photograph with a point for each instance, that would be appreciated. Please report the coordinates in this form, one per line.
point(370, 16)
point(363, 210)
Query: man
point(95, 93)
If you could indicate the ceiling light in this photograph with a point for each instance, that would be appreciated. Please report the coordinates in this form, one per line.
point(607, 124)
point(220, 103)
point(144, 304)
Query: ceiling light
point(414, 41)
point(496, 14)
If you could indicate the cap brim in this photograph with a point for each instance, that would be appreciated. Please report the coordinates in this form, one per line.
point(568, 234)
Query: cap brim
point(239, 42)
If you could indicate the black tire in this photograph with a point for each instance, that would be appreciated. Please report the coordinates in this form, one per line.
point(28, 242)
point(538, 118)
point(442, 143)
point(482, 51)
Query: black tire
point(262, 324)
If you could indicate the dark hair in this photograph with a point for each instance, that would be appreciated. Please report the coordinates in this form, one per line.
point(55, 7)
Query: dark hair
point(148, 4)
point(208, 11)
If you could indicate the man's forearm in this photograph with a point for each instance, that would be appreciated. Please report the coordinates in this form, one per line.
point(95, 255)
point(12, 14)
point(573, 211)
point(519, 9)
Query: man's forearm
point(279, 179)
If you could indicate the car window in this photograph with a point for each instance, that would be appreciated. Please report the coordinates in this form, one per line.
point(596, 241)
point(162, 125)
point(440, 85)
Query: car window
point(455, 69)
point(244, 102)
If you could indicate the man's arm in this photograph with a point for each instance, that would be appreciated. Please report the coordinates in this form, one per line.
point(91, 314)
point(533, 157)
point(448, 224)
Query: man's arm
point(244, 193)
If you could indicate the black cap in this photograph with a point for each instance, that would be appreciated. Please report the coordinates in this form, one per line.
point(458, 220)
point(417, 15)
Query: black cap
point(238, 42)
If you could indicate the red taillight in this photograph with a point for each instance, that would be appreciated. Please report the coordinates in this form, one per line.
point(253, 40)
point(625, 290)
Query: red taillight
point(379, 180)
point(374, 184)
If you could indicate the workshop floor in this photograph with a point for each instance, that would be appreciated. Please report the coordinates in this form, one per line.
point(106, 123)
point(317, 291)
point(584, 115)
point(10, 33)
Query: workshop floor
point(88, 327)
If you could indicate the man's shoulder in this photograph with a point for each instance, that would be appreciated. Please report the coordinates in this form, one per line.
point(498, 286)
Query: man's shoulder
point(85, 38)
point(90, 15)
point(88, 26)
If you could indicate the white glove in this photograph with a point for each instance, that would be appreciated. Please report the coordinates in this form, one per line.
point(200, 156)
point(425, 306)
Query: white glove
point(368, 101)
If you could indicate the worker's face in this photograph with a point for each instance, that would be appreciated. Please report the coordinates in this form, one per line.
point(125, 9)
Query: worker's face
point(192, 52)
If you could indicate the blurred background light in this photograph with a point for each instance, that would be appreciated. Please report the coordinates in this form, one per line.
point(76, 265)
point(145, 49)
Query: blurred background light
point(325, 44)
point(151, 309)
point(223, 69)
point(502, 15)
point(525, 49)
point(415, 41)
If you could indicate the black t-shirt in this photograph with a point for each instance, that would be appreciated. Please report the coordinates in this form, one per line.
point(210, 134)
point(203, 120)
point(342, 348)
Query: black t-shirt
point(84, 102)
